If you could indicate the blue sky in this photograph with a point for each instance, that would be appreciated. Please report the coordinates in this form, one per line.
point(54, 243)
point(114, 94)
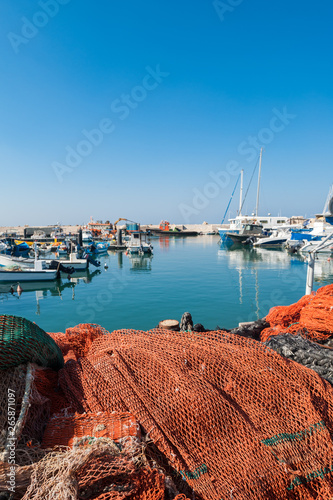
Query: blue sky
point(177, 91)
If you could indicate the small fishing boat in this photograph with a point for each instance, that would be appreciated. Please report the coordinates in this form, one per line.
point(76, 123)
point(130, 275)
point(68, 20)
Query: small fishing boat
point(138, 244)
point(39, 272)
point(248, 234)
point(97, 248)
point(72, 262)
point(62, 250)
point(15, 248)
point(87, 238)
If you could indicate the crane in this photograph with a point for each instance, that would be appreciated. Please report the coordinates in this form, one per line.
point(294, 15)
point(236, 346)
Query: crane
point(115, 224)
point(121, 218)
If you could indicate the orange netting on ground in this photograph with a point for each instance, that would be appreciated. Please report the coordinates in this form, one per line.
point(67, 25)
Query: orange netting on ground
point(232, 417)
point(78, 339)
point(47, 384)
point(311, 317)
point(176, 415)
point(101, 471)
point(83, 429)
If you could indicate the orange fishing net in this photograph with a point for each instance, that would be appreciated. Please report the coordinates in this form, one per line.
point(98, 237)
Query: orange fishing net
point(127, 483)
point(101, 471)
point(311, 316)
point(83, 429)
point(224, 416)
point(78, 339)
point(232, 417)
point(47, 384)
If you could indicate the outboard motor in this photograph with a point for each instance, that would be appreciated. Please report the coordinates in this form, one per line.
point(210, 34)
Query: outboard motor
point(249, 241)
point(55, 264)
point(92, 261)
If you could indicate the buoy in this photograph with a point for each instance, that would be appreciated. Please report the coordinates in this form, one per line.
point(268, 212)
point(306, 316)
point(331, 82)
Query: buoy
point(19, 289)
point(106, 266)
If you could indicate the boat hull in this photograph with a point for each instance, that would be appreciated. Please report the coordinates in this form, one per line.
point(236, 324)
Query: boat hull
point(76, 264)
point(242, 238)
point(26, 275)
point(270, 243)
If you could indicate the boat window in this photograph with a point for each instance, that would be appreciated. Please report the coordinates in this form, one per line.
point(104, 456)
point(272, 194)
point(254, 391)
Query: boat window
point(136, 235)
point(264, 221)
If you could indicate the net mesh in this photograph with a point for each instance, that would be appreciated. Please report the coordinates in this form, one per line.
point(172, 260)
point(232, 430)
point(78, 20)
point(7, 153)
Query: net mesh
point(221, 416)
point(100, 471)
point(24, 415)
point(22, 341)
point(228, 413)
point(310, 317)
point(75, 429)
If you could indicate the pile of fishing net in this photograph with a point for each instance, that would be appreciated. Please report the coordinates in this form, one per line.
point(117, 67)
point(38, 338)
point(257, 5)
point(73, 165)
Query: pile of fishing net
point(310, 354)
point(230, 418)
point(101, 471)
point(311, 317)
point(22, 341)
point(163, 415)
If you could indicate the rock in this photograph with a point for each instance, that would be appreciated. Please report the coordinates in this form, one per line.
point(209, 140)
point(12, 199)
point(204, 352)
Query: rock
point(198, 327)
point(186, 323)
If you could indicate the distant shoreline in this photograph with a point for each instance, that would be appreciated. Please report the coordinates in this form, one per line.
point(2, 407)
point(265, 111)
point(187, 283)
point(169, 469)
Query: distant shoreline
point(205, 227)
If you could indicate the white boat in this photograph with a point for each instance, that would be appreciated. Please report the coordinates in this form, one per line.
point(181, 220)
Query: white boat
point(310, 246)
point(307, 240)
point(3, 246)
point(278, 238)
point(87, 237)
point(72, 261)
point(266, 221)
point(17, 273)
point(138, 244)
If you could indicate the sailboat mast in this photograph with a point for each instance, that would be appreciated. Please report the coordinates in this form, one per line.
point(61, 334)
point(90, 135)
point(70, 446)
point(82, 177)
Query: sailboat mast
point(241, 194)
point(257, 205)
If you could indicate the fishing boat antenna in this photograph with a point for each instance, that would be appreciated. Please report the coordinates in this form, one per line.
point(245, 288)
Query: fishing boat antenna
point(259, 176)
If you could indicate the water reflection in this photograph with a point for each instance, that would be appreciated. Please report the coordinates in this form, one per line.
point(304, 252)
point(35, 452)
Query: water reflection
point(44, 289)
point(264, 289)
point(263, 257)
point(140, 262)
point(255, 281)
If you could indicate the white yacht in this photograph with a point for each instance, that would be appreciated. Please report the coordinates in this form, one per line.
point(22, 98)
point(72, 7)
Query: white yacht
point(237, 223)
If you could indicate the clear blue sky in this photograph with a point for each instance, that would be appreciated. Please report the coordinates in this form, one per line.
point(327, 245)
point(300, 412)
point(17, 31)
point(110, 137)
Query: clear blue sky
point(69, 66)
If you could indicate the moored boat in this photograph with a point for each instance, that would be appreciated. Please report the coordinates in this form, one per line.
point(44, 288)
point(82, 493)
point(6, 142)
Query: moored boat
point(39, 272)
point(248, 234)
point(138, 244)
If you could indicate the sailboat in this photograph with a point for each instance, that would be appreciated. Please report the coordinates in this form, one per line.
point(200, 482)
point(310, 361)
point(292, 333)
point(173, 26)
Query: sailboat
point(236, 224)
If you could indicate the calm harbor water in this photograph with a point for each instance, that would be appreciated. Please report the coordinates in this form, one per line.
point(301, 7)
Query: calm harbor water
point(217, 285)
